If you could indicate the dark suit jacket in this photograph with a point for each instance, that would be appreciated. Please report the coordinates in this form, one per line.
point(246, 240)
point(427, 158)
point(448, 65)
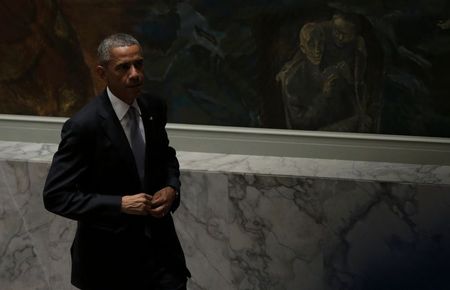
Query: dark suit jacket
point(92, 169)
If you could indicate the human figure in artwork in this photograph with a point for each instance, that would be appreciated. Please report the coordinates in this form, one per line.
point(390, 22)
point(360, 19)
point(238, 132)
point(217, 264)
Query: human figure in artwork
point(315, 98)
point(347, 48)
point(333, 83)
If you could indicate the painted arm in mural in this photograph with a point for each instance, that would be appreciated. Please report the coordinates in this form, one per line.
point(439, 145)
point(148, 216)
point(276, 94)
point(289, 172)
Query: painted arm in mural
point(330, 108)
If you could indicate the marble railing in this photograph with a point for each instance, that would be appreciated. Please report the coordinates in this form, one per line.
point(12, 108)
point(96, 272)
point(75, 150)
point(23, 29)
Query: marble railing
point(252, 222)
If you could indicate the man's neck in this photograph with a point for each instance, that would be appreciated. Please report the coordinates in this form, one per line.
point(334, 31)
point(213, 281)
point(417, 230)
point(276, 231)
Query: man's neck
point(127, 100)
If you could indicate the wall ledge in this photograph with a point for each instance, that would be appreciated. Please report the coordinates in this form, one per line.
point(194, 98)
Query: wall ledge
point(261, 141)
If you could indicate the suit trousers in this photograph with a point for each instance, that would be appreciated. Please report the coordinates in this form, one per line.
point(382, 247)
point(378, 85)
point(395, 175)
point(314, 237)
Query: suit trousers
point(142, 267)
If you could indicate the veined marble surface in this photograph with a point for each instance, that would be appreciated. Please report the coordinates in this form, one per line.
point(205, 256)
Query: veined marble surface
point(256, 223)
point(268, 165)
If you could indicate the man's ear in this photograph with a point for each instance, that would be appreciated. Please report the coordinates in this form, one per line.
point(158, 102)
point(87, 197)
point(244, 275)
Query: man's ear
point(101, 71)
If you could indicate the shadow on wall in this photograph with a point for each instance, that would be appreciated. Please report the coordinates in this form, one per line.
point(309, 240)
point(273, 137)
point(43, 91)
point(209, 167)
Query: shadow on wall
point(399, 239)
point(425, 271)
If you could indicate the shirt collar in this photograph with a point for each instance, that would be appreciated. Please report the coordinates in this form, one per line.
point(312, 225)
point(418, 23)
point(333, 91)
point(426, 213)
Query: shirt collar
point(120, 107)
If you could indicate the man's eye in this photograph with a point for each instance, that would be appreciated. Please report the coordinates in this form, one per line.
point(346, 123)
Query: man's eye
point(139, 64)
point(124, 67)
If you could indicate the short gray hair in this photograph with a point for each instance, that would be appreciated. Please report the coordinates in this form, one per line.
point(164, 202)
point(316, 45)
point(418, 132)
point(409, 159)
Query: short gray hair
point(112, 41)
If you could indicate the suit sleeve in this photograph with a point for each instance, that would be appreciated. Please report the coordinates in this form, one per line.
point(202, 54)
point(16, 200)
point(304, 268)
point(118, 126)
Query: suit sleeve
point(171, 165)
point(62, 194)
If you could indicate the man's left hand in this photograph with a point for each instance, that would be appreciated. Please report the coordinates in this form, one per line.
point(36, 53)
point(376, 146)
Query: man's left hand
point(162, 202)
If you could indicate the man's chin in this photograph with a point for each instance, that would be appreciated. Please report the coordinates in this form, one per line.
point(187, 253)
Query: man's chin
point(132, 92)
point(135, 89)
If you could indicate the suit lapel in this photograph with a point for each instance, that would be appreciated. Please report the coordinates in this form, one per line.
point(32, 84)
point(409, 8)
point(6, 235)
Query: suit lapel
point(149, 128)
point(114, 132)
point(147, 120)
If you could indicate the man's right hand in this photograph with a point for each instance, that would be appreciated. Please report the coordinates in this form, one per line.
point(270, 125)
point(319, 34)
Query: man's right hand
point(138, 204)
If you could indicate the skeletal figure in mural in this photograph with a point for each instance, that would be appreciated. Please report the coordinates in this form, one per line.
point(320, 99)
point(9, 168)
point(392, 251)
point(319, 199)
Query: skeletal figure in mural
point(324, 85)
point(314, 98)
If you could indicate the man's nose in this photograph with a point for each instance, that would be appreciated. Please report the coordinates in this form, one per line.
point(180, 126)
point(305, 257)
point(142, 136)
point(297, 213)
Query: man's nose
point(134, 72)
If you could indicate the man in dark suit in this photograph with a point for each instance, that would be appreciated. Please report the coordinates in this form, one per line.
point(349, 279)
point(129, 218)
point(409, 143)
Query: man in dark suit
point(115, 173)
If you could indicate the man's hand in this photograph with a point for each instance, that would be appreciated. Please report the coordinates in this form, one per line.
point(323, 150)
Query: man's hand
point(138, 204)
point(162, 202)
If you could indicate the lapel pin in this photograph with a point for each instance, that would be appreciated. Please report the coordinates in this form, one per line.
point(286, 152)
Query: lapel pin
point(150, 118)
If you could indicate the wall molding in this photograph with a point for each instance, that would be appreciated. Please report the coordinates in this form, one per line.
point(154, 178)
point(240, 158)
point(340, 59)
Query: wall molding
point(260, 141)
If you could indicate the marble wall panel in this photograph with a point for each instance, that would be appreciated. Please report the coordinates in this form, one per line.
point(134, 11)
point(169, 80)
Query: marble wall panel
point(312, 233)
point(254, 231)
point(52, 235)
point(20, 265)
point(202, 226)
point(276, 233)
point(398, 238)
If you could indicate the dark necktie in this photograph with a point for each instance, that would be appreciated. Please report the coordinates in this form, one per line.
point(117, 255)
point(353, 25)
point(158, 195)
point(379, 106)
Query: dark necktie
point(137, 142)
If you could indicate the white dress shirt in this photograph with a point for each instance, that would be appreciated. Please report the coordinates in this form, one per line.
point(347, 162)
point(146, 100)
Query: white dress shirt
point(121, 108)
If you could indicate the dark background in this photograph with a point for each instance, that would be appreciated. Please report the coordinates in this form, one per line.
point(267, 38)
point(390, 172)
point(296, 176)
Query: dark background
point(215, 61)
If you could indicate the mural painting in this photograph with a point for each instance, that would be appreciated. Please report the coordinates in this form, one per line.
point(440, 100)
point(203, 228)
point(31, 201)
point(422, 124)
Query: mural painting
point(347, 66)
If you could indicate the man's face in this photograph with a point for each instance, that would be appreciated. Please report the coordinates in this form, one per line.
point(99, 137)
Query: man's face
point(124, 72)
